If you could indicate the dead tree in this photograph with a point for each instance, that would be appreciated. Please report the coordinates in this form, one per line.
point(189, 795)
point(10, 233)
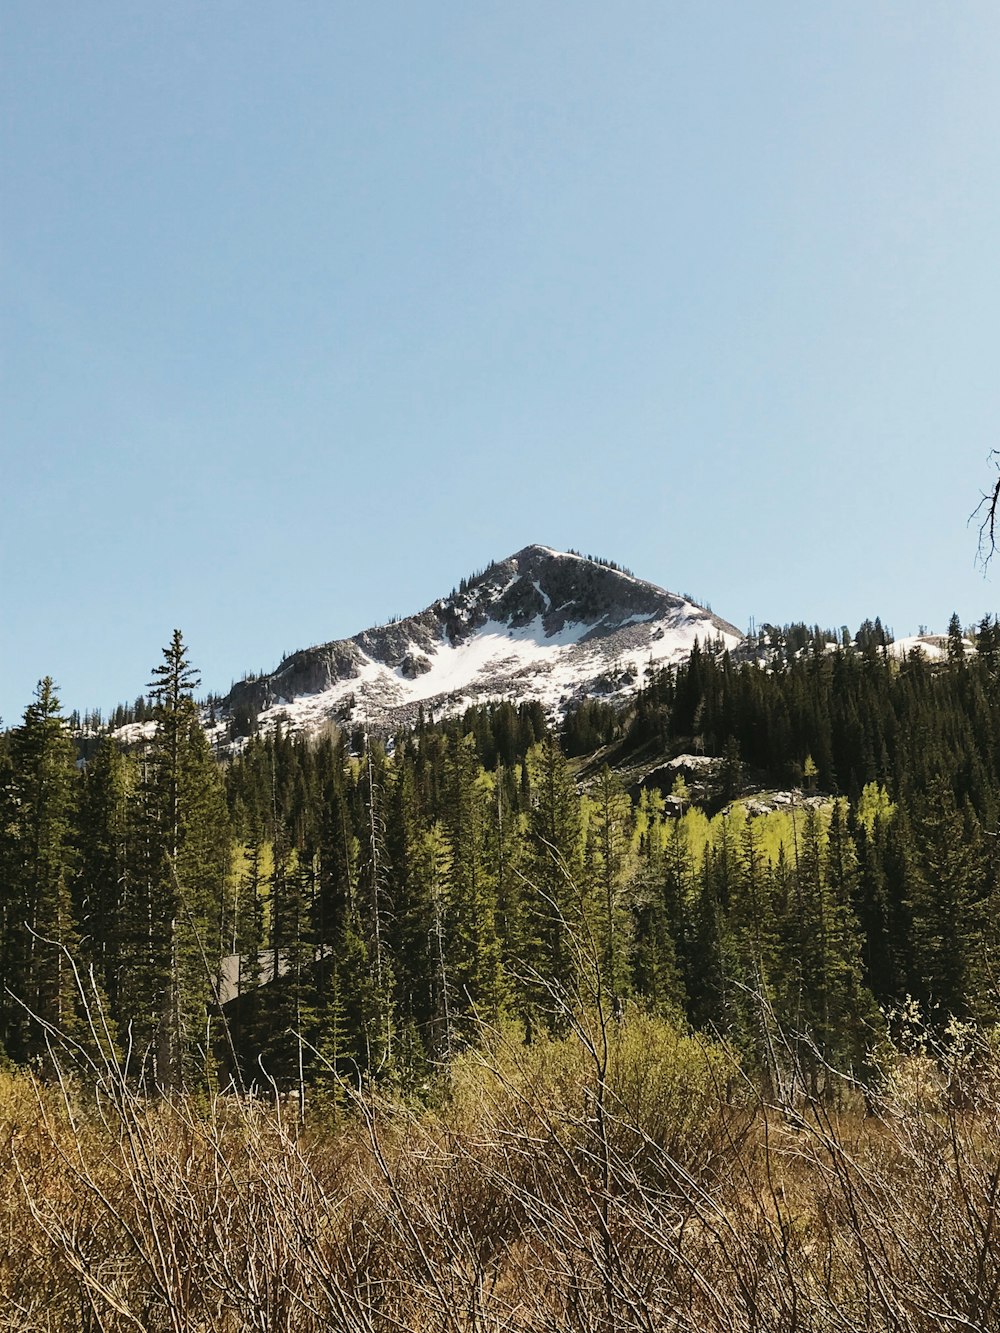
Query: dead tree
point(986, 512)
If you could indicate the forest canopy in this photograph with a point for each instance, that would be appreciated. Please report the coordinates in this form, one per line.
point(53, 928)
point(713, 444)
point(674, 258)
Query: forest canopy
point(823, 854)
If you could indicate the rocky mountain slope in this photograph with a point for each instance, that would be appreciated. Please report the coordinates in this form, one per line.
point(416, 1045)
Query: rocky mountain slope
point(541, 624)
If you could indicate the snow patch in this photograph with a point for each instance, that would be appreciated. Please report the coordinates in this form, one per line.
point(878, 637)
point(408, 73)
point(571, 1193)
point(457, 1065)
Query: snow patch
point(933, 646)
point(542, 594)
point(134, 733)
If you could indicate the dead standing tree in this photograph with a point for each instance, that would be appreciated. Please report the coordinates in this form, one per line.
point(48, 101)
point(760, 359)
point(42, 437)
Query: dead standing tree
point(986, 512)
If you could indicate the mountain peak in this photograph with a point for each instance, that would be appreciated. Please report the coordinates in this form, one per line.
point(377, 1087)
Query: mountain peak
point(552, 625)
point(536, 553)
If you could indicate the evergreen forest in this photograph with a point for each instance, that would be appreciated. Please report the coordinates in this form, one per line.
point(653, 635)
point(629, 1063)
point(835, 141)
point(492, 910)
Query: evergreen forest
point(785, 852)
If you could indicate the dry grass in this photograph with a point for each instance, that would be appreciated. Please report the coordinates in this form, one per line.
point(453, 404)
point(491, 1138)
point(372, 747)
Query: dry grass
point(624, 1179)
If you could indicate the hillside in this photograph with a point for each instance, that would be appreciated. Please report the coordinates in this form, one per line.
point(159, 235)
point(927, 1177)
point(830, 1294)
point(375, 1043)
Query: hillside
point(555, 626)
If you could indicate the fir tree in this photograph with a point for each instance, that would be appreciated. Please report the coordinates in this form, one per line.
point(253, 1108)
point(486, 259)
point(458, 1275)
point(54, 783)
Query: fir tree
point(754, 951)
point(39, 935)
point(608, 845)
point(956, 639)
point(106, 888)
point(375, 907)
point(187, 844)
point(474, 948)
point(947, 905)
point(557, 901)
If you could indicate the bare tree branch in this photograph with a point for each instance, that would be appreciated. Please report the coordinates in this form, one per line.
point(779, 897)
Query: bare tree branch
point(986, 511)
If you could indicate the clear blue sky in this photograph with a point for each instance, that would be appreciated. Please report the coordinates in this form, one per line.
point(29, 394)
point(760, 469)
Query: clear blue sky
point(310, 309)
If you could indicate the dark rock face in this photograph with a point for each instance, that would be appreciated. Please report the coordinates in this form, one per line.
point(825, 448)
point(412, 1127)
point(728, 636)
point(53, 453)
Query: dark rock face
point(306, 672)
point(392, 643)
point(571, 590)
point(414, 665)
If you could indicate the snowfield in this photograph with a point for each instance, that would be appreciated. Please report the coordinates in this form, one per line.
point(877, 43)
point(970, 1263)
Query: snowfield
point(498, 662)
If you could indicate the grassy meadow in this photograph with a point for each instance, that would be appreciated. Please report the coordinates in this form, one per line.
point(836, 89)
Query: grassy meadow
point(624, 1177)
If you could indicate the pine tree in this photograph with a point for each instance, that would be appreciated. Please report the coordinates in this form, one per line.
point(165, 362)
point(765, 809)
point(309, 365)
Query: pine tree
point(654, 964)
point(374, 904)
point(754, 951)
point(557, 902)
point(105, 886)
point(679, 894)
point(247, 923)
point(505, 855)
point(827, 1008)
point(948, 925)
point(473, 945)
point(289, 1002)
point(956, 639)
point(432, 868)
point(187, 851)
point(608, 848)
point(986, 645)
point(39, 935)
point(851, 1013)
point(704, 953)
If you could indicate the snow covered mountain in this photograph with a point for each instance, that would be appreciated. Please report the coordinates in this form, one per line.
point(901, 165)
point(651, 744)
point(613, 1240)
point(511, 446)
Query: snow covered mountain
point(541, 624)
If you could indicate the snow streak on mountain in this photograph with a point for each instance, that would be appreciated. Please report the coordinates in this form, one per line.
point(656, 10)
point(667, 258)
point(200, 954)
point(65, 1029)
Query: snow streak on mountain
point(541, 624)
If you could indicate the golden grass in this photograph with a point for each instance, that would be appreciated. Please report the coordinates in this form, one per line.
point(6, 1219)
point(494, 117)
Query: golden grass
point(624, 1179)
